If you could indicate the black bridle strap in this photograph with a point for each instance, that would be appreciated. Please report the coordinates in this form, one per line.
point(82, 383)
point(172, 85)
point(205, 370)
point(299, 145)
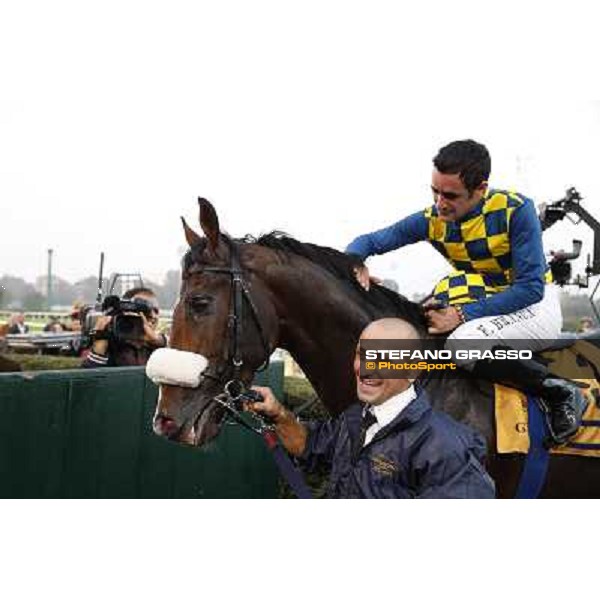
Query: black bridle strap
point(239, 293)
point(261, 333)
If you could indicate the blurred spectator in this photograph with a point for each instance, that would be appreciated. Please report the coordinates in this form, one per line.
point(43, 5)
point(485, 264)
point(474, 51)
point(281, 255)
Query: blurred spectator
point(586, 324)
point(17, 324)
point(3, 344)
point(54, 326)
point(75, 317)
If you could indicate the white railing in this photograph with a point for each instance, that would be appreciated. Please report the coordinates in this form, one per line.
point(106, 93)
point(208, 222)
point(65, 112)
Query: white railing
point(35, 316)
point(47, 316)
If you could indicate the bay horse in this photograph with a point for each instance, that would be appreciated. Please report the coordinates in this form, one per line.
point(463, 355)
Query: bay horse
point(304, 298)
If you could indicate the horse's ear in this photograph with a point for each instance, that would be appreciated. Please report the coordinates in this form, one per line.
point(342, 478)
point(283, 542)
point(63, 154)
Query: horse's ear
point(209, 223)
point(190, 235)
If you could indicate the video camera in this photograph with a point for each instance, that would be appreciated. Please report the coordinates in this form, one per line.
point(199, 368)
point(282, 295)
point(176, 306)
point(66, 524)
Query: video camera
point(560, 265)
point(551, 213)
point(126, 323)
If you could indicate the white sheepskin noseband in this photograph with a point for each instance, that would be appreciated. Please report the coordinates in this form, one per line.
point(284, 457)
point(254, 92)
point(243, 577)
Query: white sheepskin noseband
point(176, 367)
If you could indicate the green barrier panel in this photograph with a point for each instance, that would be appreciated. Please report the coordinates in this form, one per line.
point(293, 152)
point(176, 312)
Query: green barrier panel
point(86, 433)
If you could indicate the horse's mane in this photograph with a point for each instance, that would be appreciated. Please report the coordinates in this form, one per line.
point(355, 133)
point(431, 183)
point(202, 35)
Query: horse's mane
point(378, 302)
point(337, 263)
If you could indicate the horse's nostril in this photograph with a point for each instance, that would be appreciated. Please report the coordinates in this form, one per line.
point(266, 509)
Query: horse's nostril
point(165, 426)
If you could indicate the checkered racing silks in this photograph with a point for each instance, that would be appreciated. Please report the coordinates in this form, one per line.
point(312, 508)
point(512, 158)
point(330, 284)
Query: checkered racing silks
point(478, 247)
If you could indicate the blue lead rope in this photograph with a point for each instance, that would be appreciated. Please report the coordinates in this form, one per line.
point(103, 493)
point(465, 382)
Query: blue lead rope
point(535, 468)
point(288, 470)
point(286, 467)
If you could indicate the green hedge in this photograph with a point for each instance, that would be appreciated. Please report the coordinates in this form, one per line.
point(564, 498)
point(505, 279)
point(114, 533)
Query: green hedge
point(44, 362)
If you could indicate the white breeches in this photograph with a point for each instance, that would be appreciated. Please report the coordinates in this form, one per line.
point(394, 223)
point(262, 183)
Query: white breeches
point(537, 325)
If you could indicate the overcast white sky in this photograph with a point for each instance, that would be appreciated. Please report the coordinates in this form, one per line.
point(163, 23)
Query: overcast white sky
point(316, 118)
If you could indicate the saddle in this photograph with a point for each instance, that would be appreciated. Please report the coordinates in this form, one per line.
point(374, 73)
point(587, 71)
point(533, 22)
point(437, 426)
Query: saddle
point(576, 358)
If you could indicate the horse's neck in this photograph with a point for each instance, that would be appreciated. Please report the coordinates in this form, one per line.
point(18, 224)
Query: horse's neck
point(319, 326)
point(326, 363)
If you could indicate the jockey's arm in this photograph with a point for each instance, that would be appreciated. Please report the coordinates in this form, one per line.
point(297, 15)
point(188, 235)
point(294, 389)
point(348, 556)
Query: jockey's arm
point(528, 264)
point(410, 230)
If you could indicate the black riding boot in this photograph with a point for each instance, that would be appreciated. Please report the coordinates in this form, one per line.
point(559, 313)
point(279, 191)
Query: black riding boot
point(563, 400)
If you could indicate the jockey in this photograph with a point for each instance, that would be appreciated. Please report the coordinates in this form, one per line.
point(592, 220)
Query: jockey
point(501, 288)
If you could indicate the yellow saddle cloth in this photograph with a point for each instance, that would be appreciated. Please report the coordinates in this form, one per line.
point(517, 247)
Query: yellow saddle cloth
point(578, 362)
point(512, 433)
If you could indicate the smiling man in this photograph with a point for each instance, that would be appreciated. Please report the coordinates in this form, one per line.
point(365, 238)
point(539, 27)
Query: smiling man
point(500, 289)
point(389, 445)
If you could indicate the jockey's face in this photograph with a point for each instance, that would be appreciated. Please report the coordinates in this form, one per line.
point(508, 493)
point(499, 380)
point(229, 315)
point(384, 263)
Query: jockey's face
point(451, 197)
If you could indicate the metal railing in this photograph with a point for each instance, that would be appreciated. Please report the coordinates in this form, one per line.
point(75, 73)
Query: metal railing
point(39, 342)
point(35, 316)
point(39, 318)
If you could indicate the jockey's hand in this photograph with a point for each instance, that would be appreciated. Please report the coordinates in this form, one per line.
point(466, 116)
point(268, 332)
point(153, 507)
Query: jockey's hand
point(269, 406)
point(442, 320)
point(363, 277)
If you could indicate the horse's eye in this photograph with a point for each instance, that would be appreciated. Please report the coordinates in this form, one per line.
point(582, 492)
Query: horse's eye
point(200, 303)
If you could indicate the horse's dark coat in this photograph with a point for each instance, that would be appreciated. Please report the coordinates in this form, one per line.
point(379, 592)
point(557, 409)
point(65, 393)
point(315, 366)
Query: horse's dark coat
point(321, 310)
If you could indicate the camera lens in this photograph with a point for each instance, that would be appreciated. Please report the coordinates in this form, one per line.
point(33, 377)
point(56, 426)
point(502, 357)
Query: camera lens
point(128, 327)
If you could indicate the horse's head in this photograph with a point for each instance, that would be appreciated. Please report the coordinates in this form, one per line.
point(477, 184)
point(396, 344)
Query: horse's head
point(224, 313)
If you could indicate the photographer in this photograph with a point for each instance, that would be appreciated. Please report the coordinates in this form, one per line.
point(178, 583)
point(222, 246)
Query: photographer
point(114, 346)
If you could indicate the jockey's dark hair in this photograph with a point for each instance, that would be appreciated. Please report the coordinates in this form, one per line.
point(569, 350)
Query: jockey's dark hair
point(466, 158)
point(138, 290)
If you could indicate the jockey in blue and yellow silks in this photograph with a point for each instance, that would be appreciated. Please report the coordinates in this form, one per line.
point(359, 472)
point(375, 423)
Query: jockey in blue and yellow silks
point(500, 288)
point(480, 249)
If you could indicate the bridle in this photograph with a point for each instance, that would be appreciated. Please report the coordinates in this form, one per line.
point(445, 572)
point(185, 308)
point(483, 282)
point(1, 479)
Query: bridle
point(234, 390)
point(239, 294)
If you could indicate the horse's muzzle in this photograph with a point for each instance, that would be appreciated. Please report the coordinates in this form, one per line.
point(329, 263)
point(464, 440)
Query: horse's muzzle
point(165, 426)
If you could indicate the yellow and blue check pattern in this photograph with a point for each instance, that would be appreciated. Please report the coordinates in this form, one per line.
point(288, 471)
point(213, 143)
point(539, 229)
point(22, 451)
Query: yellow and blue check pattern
point(460, 288)
point(478, 247)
